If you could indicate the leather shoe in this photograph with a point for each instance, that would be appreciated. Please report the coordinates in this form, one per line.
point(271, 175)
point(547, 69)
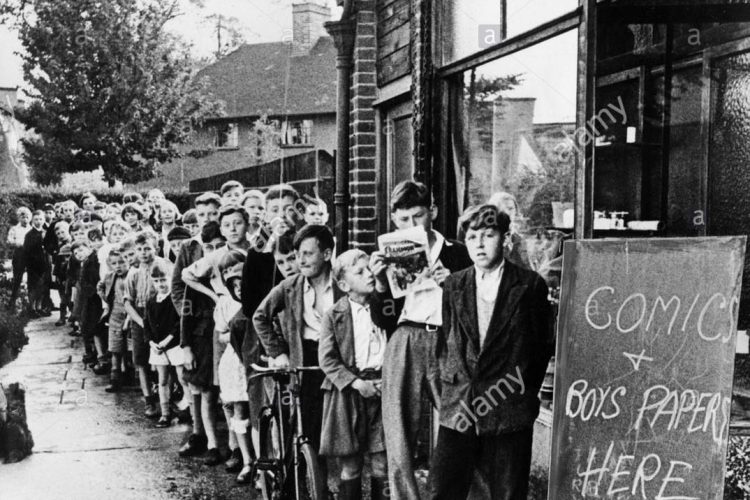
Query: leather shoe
point(213, 457)
point(101, 368)
point(234, 464)
point(163, 422)
point(60, 322)
point(245, 475)
point(195, 445)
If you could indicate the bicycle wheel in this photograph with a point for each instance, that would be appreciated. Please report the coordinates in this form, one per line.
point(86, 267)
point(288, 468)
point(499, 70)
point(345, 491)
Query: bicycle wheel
point(268, 466)
point(312, 484)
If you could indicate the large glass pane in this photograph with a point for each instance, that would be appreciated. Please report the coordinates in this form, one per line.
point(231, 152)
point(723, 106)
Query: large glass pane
point(468, 26)
point(729, 157)
point(524, 15)
point(514, 142)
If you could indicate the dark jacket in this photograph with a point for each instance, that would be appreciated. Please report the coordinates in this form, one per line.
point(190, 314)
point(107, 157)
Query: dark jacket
point(287, 298)
point(259, 276)
point(480, 388)
point(89, 276)
point(34, 255)
point(91, 304)
point(194, 308)
point(160, 321)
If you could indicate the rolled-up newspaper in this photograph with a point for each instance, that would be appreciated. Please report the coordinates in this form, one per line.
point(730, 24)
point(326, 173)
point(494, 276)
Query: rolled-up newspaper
point(645, 225)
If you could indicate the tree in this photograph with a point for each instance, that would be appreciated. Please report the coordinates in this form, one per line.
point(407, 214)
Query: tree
point(265, 141)
point(111, 88)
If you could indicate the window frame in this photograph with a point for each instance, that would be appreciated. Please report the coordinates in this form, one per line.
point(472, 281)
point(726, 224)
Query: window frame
point(449, 76)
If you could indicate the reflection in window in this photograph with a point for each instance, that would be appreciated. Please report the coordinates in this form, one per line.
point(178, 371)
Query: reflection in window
point(227, 135)
point(514, 135)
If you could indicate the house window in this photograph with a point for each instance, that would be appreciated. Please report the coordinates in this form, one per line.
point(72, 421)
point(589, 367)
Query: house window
point(227, 135)
point(297, 133)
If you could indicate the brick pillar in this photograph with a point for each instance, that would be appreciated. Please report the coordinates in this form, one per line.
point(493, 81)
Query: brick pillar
point(362, 164)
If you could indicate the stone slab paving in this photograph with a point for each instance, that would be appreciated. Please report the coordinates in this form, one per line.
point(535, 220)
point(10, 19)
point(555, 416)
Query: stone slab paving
point(94, 445)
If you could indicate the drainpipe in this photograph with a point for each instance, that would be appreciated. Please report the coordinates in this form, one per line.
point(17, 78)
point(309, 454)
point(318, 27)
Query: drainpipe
point(342, 32)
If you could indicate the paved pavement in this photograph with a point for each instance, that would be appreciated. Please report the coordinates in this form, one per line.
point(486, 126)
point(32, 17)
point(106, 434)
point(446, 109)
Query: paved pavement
point(94, 445)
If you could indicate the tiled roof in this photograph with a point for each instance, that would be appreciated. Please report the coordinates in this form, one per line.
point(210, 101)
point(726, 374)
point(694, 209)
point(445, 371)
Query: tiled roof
point(252, 80)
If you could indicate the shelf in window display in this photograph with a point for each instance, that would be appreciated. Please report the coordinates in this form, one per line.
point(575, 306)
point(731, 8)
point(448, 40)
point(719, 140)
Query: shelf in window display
point(619, 145)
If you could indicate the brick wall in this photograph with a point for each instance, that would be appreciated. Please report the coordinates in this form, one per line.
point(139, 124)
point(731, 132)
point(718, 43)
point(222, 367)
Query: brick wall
point(362, 164)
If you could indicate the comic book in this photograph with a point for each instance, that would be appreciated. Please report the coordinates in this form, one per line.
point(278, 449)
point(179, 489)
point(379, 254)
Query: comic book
point(407, 257)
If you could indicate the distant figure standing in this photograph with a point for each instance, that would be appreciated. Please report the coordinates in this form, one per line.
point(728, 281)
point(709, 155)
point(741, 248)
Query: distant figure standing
point(37, 264)
point(16, 235)
point(515, 245)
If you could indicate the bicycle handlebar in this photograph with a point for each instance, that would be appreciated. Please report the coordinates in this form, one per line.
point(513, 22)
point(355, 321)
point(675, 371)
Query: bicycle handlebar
point(267, 371)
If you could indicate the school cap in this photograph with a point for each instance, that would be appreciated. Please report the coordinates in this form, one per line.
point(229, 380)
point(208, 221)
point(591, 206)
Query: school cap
point(178, 233)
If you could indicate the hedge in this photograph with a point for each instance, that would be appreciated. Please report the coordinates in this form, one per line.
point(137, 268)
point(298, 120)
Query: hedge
point(37, 197)
point(12, 323)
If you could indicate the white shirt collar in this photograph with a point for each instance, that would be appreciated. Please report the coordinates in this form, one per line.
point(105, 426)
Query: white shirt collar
point(492, 275)
point(357, 307)
point(437, 247)
point(329, 284)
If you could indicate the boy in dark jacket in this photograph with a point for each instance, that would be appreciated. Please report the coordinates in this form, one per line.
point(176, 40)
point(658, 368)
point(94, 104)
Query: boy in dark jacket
point(497, 341)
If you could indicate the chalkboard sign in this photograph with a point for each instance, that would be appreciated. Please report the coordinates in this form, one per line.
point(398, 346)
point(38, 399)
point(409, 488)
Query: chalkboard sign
point(645, 357)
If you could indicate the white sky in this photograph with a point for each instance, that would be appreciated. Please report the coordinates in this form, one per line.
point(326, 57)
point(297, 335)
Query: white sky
point(550, 70)
point(261, 21)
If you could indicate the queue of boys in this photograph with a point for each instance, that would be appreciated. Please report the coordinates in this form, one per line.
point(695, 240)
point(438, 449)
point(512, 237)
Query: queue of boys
point(248, 278)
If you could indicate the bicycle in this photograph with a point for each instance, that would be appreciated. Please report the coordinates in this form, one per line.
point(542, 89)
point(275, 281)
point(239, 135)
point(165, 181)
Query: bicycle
point(282, 455)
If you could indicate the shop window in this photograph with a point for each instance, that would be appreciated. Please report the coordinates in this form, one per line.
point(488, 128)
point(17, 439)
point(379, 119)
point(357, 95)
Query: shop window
point(227, 135)
point(514, 142)
point(524, 15)
point(469, 26)
point(297, 133)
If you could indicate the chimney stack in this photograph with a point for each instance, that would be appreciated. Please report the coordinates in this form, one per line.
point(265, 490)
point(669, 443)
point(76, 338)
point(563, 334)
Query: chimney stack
point(307, 22)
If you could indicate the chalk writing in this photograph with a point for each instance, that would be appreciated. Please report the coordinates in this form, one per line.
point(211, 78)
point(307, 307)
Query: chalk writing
point(631, 476)
point(636, 359)
point(655, 424)
point(716, 307)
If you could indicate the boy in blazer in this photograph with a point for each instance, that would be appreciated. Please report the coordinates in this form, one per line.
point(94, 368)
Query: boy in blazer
point(410, 362)
point(494, 349)
point(351, 354)
point(303, 299)
point(196, 317)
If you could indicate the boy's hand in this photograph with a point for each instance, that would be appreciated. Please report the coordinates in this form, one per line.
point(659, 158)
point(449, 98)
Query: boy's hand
point(378, 267)
point(439, 273)
point(156, 346)
point(367, 388)
point(280, 361)
point(189, 358)
point(105, 311)
point(377, 264)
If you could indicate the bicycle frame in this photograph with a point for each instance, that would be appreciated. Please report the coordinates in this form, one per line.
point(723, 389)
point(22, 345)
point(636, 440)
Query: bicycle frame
point(298, 437)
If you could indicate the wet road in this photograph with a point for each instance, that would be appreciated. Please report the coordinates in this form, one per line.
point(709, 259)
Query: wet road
point(94, 445)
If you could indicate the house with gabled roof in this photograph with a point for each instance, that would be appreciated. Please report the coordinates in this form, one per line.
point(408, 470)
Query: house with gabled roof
point(290, 83)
